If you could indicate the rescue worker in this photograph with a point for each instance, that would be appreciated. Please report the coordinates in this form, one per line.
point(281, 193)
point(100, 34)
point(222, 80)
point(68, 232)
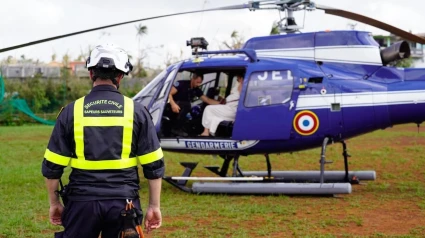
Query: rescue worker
point(181, 95)
point(102, 137)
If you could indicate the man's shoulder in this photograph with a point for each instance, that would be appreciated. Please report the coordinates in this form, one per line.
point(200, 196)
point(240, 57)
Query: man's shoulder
point(69, 106)
point(141, 109)
point(181, 83)
point(65, 111)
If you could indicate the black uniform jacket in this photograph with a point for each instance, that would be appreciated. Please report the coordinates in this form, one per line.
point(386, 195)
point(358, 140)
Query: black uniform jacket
point(184, 92)
point(103, 143)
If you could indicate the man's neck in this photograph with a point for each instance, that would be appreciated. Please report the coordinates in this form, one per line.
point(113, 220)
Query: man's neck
point(98, 82)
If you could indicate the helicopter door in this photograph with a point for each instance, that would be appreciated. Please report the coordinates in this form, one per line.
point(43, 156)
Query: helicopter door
point(268, 106)
point(157, 106)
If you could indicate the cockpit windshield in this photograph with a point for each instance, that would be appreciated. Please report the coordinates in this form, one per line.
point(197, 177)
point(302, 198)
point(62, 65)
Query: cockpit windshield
point(145, 95)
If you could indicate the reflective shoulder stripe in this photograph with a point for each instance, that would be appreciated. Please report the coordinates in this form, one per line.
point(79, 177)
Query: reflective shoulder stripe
point(151, 157)
point(56, 158)
point(103, 164)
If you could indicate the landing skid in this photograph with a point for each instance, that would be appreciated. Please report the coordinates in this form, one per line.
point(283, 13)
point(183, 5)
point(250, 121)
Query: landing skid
point(272, 182)
point(314, 176)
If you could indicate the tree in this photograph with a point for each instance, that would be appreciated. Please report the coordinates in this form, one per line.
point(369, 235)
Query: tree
point(23, 59)
point(10, 59)
point(170, 58)
point(79, 58)
point(236, 41)
point(141, 31)
point(53, 57)
point(65, 60)
point(140, 72)
point(104, 33)
point(275, 29)
point(404, 63)
point(84, 54)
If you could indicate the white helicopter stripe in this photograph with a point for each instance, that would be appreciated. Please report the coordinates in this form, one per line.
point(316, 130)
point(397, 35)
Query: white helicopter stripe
point(207, 144)
point(363, 99)
point(354, 54)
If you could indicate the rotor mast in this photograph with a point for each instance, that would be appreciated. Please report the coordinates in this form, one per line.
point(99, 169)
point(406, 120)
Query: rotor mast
point(286, 24)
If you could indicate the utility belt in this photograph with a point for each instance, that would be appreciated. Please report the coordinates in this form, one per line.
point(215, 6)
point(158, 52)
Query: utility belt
point(131, 218)
point(63, 193)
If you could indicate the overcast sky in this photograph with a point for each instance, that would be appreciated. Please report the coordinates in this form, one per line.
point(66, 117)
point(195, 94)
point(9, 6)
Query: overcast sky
point(28, 20)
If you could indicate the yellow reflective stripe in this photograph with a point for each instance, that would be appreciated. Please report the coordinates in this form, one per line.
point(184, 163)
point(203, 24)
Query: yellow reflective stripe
point(126, 122)
point(78, 128)
point(103, 164)
point(151, 157)
point(127, 136)
point(56, 158)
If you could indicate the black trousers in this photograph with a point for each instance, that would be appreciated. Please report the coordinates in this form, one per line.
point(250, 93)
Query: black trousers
point(88, 219)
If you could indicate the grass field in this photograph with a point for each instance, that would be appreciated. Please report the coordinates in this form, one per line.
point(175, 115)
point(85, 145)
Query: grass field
point(391, 206)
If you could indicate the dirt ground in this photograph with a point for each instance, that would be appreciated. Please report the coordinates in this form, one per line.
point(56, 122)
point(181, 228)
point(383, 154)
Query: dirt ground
point(392, 205)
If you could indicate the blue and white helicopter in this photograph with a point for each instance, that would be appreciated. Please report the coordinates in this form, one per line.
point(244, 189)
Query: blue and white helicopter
point(300, 91)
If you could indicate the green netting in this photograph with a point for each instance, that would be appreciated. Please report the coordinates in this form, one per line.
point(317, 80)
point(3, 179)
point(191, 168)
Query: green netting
point(19, 104)
point(1, 89)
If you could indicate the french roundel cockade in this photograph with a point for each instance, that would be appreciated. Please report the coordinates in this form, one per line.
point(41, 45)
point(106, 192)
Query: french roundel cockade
point(306, 123)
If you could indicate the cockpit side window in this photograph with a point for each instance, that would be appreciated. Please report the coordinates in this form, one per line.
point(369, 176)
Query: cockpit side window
point(269, 88)
point(208, 82)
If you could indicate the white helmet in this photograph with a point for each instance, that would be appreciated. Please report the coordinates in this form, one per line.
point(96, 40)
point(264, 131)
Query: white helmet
point(109, 56)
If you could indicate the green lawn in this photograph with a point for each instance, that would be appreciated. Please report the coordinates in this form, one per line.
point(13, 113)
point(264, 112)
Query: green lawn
point(391, 206)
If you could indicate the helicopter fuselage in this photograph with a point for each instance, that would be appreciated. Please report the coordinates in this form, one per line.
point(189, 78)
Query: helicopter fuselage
point(300, 89)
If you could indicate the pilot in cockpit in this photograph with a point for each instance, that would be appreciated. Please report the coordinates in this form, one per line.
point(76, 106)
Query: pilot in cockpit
point(181, 94)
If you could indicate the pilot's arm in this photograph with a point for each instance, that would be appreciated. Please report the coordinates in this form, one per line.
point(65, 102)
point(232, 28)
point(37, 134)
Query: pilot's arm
point(208, 100)
point(205, 99)
point(174, 107)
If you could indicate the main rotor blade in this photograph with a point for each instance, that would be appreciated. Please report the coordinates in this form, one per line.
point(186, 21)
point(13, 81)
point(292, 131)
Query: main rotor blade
point(234, 7)
point(370, 21)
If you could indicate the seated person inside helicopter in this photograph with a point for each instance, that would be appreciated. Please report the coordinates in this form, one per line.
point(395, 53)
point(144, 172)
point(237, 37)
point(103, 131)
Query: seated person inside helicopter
point(180, 97)
point(214, 114)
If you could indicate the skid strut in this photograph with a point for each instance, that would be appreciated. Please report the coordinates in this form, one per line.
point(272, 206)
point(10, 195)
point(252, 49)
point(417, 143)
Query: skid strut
point(179, 183)
point(272, 182)
point(224, 168)
point(352, 177)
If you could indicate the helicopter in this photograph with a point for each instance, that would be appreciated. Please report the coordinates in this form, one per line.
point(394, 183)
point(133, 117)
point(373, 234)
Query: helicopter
point(300, 91)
